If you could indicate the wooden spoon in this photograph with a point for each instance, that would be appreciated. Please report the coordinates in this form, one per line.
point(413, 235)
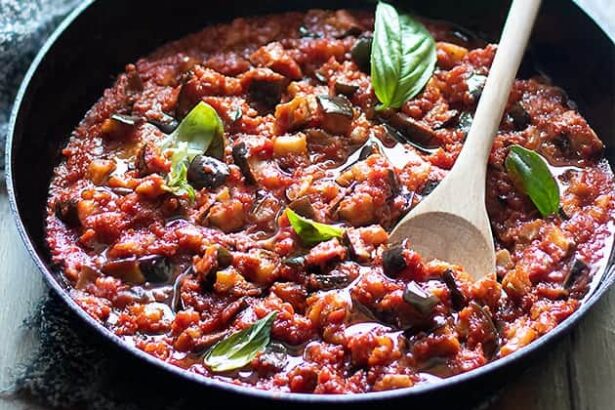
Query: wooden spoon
point(451, 224)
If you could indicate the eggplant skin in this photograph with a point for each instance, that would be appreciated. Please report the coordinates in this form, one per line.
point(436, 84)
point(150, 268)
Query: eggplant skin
point(264, 95)
point(337, 114)
point(420, 300)
point(303, 207)
point(207, 172)
point(458, 300)
point(361, 52)
point(393, 261)
point(240, 157)
point(155, 268)
point(66, 211)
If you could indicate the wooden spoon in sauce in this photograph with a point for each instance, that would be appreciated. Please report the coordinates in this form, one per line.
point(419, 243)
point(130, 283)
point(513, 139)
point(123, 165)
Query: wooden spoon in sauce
point(451, 224)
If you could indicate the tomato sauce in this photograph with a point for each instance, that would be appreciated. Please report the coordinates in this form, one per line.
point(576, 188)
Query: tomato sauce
point(174, 276)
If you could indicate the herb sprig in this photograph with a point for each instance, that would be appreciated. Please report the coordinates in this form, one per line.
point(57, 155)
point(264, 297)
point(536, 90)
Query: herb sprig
point(403, 57)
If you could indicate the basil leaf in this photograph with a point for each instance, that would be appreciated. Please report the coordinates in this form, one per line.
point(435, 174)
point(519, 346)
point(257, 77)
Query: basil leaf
point(403, 57)
point(531, 173)
point(312, 232)
point(177, 179)
point(240, 348)
point(202, 130)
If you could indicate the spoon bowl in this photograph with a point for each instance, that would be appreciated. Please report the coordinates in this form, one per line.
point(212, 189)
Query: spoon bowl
point(449, 237)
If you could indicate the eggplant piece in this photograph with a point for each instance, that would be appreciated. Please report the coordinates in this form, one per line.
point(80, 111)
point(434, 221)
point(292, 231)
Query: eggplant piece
point(338, 105)
point(411, 130)
point(393, 261)
point(345, 88)
point(167, 126)
point(332, 280)
point(358, 250)
point(265, 94)
point(370, 148)
point(465, 38)
point(316, 136)
point(242, 160)
point(490, 346)
point(520, 118)
point(265, 211)
point(188, 97)
point(303, 207)
point(156, 268)
point(297, 261)
point(361, 53)
point(451, 119)
point(134, 294)
point(337, 113)
point(562, 142)
point(119, 126)
point(207, 172)
point(577, 270)
point(458, 300)
point(436, 323)
point(429, 187)
point(151, 268)
point(420, 300)
point(66, 211)
point(345, 25)
point(318, 75)
point(146, 153)
point(265, 268)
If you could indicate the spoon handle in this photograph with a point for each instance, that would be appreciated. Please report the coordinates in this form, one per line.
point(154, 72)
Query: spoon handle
point(472, 160)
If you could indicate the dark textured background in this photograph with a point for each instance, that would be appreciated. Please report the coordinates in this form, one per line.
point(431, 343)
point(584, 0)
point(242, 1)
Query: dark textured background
point(24, 26)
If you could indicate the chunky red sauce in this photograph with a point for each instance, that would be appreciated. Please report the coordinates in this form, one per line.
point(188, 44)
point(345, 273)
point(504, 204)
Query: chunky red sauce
point(173, 277)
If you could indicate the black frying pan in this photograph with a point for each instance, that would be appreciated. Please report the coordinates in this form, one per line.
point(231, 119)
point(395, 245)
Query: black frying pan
point(100, 37)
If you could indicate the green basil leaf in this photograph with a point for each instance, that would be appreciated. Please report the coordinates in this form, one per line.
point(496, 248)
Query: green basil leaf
point(403, 56)
point(177, 180)
point(312, 232)
point(530, 171)
point(240, 348)
point(203, 131)
point(200, 132)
